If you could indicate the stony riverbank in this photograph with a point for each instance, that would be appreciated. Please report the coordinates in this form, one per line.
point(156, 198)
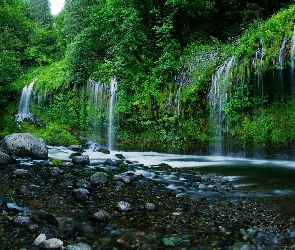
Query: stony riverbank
point(126, 205)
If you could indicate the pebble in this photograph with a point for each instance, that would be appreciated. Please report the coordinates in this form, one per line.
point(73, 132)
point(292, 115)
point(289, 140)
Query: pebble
point(124, 206)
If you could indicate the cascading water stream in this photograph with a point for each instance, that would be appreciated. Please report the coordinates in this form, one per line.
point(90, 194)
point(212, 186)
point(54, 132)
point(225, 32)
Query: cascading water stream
point(24, 104)
point(113, 89)
point(221, 82)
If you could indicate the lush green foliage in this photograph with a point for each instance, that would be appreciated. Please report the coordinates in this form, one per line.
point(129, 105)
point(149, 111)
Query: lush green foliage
point(163, 54)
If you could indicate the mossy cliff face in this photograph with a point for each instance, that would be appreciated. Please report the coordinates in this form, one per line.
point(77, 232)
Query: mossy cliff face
point(155, 113)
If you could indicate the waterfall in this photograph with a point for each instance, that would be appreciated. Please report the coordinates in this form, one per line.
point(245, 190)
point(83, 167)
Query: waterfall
point(96, 108)
point(281, 53)
point(24, 104)
point(113, 89)
point(218, 95)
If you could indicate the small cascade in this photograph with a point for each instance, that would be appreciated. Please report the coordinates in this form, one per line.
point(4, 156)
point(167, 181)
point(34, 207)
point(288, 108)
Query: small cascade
point(281, 54)
point(281, 64)
point(113, 90)
point(24, 104)
point(180, 80)
point(221, 82)
point(96, 108)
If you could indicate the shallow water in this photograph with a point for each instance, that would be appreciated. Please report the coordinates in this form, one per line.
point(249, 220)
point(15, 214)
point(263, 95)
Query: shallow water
point(272, 181)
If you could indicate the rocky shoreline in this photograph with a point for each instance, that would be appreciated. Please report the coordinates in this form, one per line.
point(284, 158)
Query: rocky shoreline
point(49, 204)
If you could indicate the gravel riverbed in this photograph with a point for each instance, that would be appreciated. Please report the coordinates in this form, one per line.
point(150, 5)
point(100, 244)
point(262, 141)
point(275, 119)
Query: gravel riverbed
point(125, 205)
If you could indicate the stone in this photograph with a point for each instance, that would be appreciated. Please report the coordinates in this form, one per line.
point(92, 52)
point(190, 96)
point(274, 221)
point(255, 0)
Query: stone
point(39, 240)
point(110, 162)
point(52, 243)
point(124, 206)
point(172, 241)
point(81, 194)
point(83, 184)
point(79, 246)
point(24, 145)
point(150, 206)
point(21, 172)
point(101, 215)
point(22, 219)
point(5, 158)
point(82, 160)
point(103, 150)
point(98, 178)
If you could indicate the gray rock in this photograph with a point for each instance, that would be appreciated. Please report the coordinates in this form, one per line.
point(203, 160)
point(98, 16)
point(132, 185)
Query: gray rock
point(150, 206)
point(24, 145)
point(55, 171)
point(22, 219)
point(110, 162)
point(5, 159)
point(124, 206)
point(24, 190)
point(81, 194)
point(98, 178)
point(21, 172)
point(82, 160)
point(39, 240)
point(101, 215)
point(52, 243)
point(79, 246)
point(83, 184)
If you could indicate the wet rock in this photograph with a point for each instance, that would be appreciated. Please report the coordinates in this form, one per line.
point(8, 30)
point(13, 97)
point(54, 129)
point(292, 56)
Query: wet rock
point(81, 194)
point(24, 145)
point(79, 246)
point(22, 172)
point(98, 178)
point(5, 158)
point(82, 160)
point(52, 243)
point(55, 171)
point(83, 184)
point(110, 162)
point(33, 227)
point(150, 206)
point(76, 148)
point(120, 156)
point(74, 154)
point(66, 164)
point(24, 190)
point(172, 241)
point(101, 215)
point(39, 240)
point(22, 219)
point(124, 206)
point(103, 150)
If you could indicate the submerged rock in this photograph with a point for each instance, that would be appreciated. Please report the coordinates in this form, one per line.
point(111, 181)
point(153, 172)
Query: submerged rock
point(24, 145)
point(98, 178)
point(79, 246)
point(101, 215)
point(124, 206)
point(81, 194)
point(172, 241)
point(52, 243)
point(150, 206)
point(22, 219)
